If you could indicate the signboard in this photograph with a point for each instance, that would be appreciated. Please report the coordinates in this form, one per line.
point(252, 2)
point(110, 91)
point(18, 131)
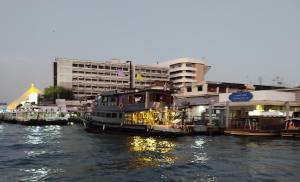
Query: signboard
point(240, 97)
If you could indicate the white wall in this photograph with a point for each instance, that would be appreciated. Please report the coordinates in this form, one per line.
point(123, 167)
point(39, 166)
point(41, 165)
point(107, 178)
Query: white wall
point(266, 95)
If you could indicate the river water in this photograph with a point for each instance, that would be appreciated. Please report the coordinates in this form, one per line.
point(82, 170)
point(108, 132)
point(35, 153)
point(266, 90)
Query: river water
point(68, 153)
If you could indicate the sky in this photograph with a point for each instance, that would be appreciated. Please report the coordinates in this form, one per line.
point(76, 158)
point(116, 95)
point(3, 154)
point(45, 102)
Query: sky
point(243, 40)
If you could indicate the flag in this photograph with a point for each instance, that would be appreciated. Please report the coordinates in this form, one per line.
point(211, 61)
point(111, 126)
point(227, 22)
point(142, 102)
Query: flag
point(139, 77)
point(120, 73)
point(121, 101)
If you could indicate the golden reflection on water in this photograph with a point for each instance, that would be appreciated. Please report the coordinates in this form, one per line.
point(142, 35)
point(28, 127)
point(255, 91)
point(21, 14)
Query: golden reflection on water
point(152, 152)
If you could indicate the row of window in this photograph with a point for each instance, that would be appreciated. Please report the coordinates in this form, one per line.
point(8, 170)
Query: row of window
point(98, 73)
point(182, 71)
point(125, 75)
point(100, 80)
point(210, 88)
point(98, 87)
point(151, 71)
point(106, 67)
point(182, 77)
point(85, 93)
point(108, 114)
point(182, 64)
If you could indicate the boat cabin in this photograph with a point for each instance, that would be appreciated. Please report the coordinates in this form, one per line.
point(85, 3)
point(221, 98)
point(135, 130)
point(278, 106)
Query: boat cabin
point(146, 107)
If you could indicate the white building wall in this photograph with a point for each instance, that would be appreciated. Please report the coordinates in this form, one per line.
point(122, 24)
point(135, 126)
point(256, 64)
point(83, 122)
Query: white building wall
point(64, 78)
point(269, 95)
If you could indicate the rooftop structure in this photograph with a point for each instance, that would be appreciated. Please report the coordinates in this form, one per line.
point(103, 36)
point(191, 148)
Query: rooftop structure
point(186, 70)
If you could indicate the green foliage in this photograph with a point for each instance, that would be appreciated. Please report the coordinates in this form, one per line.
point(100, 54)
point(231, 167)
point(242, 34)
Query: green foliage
point(58, 93)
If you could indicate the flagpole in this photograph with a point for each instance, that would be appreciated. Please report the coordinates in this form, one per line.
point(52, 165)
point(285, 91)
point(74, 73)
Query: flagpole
point(130, 75)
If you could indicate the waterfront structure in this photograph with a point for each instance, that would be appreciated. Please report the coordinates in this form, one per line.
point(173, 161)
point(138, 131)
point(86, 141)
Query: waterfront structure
point(201, 100)
point(186, 70)
point(258, 112)
point(89, 78)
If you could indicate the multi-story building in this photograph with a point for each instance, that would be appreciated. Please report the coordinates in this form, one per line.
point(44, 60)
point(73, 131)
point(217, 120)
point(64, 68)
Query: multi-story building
point(186, 70)
point(89, 78)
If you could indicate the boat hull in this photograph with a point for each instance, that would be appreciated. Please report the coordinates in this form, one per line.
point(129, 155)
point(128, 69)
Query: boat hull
point(241, 132)
point(145, 130)
point(44, 122)
point(294, 133)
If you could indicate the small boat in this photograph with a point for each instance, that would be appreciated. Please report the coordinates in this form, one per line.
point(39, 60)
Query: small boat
point(256, 126)
point(292, 127)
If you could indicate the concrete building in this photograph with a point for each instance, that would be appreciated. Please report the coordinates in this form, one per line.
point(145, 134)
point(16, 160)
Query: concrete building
point(214, 88)
point(186, 70)
point(89, 78)
point(265, 105)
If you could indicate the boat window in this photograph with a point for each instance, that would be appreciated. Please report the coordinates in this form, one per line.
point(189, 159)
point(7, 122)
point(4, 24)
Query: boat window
point(108, 115)
point(113, 115)
point(130, 99)
point(139, 98)
point(120, 115)
point(212, 88)
point(158, 97)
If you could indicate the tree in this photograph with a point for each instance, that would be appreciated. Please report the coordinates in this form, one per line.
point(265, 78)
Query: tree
point(53, 93)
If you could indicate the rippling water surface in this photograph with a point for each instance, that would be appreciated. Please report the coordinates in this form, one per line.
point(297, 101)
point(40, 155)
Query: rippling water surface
point(68, 153)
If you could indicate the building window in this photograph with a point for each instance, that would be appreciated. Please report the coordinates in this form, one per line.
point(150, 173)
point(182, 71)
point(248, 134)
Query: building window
point(212, 88)
point(200, 88)
point(75, 65)
point(189, 89)
point(113, 115)
point(189, 65)
point(222, 89)
point(120, 115)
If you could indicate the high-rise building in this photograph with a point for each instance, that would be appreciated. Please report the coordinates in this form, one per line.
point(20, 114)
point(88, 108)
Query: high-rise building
point(186, 70)
point(89, 78)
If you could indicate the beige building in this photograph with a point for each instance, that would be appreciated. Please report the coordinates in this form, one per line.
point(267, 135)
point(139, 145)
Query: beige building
point(89, 78)
point(186, 70)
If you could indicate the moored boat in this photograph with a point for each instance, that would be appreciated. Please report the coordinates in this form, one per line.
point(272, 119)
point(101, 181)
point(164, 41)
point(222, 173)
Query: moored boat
point(292, 127)
point(36, 115)
point(145, 112)
point(256, 126)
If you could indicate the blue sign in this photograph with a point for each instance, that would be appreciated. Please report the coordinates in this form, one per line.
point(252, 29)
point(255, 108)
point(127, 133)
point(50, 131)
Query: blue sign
point(240, 97)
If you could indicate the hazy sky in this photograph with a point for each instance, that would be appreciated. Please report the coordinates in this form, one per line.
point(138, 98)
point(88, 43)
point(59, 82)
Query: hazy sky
point(241, 39)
